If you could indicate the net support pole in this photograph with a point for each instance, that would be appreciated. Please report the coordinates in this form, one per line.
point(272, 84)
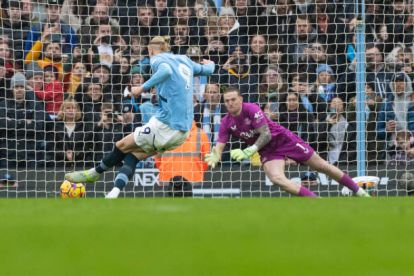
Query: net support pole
point(360, 88)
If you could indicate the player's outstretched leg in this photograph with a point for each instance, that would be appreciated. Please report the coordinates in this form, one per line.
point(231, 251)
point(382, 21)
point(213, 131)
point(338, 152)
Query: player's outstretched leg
point(115, 157)
point(124, 175)
point(275, 171)
point(318, 164)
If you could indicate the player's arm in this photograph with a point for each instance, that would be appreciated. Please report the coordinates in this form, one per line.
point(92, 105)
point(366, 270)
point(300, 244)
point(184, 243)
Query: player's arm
point(262, 140)
point(163, 72)
point(206, 68)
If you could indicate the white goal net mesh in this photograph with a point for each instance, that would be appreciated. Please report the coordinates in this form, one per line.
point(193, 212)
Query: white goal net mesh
point(67, 69)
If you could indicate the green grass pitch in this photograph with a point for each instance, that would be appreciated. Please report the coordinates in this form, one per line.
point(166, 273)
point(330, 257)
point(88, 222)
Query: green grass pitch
point(273, 236)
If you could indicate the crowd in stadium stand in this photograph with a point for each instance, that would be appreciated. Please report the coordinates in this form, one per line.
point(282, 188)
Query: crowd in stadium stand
point(67, 68)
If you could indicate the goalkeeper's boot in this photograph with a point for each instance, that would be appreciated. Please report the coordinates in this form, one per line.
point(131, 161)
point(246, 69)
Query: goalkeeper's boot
point(82, 176)
point(362, 193)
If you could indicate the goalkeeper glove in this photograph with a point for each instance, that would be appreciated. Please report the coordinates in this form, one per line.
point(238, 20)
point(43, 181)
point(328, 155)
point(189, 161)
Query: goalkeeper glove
point(212, 158)
point(239, 154)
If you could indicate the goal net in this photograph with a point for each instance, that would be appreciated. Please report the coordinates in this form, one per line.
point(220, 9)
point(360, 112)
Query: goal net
point(67, 69)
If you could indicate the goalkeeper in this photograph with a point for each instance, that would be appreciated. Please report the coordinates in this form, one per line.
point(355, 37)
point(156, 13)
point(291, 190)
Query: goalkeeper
point(274, 143)
point(168, 129)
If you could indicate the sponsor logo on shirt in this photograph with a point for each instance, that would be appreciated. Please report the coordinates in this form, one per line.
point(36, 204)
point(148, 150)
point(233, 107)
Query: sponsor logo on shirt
point(247, 134)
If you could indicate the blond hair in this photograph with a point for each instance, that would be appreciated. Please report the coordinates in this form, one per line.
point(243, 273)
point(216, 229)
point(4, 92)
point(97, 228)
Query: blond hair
point(69, 101)
point(160, 43)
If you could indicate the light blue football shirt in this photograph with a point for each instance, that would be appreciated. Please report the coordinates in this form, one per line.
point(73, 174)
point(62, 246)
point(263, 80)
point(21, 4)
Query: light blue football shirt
point(173, 80)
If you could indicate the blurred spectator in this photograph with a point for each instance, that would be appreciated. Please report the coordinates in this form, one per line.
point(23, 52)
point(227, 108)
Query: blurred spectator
point(139, 54)
point(22, 121)
point(144, 23)
point(47, 51)
point(8, 61)
point(310, 100)
point(14, 29)
point(199, 82)
point(214, 46)
point(52, 91)
point(111, 86)
point(337, 128)
point(78, 73)
point(324, 85)
point(293, 116)
point(69, 138)
point(278, 20)
point(229, 32)
point(235, 72)
point(272, 90)
point(210, 111)
point(316, 55)
point(383, 37)
point(74, 12)
point(258, 48)
point(300, 42)
point(401, 153)
point(4, 82)
point(100, 15)
point(331, 32)
point(399, 22)
point(34, 76)
point(106, 131)
point(275, 55)
point(376, 73)
point(246, 15)
point(90, 99)
point(181, 38)
point(52, 25)
point(395, 113)
point(373, 144)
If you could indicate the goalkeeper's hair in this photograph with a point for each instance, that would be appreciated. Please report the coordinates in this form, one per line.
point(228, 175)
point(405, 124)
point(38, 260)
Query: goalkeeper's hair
point(232, 89)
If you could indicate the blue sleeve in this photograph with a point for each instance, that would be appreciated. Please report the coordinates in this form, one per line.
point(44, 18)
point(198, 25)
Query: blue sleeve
point(163, 72)
point(410, 119)
point(203, 70)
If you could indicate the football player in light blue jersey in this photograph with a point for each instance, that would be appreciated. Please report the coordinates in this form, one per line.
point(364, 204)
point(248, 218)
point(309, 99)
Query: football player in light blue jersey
point(173, 79)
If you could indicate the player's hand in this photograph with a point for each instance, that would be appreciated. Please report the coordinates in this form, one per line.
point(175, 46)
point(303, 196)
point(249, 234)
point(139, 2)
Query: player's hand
point(137, 90)
point(212, 158)
point(239, 154)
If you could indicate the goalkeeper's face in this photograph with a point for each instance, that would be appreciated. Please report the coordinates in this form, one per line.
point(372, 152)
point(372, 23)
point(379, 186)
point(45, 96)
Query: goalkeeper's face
point(233, 102)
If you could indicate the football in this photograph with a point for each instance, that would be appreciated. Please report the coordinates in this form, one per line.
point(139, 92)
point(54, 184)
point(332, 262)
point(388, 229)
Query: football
point(72, 190)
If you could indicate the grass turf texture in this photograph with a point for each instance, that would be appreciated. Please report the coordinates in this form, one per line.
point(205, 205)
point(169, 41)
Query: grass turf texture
point(290, 236)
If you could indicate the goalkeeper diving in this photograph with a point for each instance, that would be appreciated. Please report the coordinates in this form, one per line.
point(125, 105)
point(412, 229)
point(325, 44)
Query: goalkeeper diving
point(168, 128)
point(274, 144)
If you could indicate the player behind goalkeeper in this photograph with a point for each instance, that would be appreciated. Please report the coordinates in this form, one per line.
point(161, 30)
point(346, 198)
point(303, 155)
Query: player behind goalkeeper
point(168, 129)
point(273, 142)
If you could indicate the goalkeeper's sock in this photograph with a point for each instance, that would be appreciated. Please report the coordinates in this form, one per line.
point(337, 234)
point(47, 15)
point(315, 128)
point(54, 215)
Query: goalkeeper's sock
point(305, 192)
point(347, 181)
point(127, 171)
point(110, 160)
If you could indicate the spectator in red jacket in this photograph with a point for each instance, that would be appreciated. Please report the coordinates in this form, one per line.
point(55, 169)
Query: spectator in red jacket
point(51, 92)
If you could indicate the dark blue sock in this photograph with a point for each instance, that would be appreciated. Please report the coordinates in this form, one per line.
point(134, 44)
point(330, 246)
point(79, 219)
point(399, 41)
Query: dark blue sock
point(110, 160)
point(127, 171)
